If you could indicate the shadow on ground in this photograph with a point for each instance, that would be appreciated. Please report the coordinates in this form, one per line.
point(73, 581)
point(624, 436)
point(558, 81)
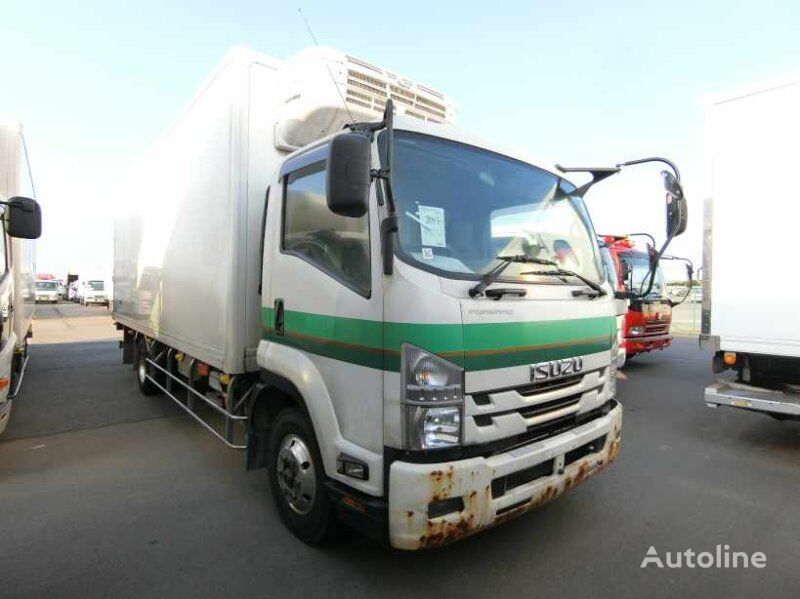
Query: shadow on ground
point(79, 386)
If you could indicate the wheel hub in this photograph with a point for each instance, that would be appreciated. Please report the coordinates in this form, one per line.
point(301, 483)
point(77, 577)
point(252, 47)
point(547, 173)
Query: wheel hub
point(296, 477)
point(142, 370)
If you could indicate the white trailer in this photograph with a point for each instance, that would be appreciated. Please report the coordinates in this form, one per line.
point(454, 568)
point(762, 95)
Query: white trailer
point(749, 307)
point(17, 264)
point(354, 308)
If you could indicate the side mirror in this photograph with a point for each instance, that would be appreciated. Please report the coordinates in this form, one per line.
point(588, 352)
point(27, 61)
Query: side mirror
point(348, 176)
point(24, 218)
point(677, 210)
point(625, 270)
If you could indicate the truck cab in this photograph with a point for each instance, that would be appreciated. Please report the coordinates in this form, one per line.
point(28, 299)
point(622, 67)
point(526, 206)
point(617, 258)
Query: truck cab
point(415, 384)
point(647, 321)
point(21, 216)
point(46, 290)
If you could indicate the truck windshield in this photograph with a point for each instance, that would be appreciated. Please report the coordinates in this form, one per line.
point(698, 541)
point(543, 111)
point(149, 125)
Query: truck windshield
point(460, 206)
point(639, 263)
point(96, 285)
point(46, 285)
point(610, 269)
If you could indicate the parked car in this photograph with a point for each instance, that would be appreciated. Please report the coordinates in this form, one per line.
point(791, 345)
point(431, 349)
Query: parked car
point(46, 291)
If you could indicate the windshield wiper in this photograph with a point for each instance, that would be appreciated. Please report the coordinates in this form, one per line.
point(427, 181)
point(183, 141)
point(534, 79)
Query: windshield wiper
point(562, 272)
point(491, 276)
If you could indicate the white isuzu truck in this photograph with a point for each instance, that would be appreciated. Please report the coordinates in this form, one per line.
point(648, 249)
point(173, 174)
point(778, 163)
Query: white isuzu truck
point(21, 224)
point(410, 328)
point(750, 307)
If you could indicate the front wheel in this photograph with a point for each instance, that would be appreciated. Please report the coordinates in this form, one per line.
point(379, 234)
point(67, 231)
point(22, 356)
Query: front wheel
point(297, 479)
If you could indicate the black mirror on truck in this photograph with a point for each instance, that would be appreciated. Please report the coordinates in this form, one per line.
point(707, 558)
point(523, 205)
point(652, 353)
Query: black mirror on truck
point(23, 218)
point(677, 210)
point(348, 174)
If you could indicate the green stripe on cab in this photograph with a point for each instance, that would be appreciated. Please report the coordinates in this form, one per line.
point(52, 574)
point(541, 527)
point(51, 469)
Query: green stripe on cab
point(485, 346)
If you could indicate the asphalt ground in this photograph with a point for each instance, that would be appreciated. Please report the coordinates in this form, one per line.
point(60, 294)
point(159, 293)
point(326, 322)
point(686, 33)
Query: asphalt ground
point(106, 493)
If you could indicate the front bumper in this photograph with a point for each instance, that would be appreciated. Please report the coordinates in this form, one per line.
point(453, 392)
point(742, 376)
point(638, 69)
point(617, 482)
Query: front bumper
point(491, 488)
point(636, 345)
point(95, 300)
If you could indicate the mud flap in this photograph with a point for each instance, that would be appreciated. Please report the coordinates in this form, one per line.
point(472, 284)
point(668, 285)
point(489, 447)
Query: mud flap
point(128, 344)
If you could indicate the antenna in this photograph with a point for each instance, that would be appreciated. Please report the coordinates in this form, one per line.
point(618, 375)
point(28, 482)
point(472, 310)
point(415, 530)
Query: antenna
point(327, 66)
point(28, 163)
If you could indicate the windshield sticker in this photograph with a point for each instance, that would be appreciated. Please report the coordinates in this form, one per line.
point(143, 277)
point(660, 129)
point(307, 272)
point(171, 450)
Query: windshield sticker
point(427, 254)
point(431, 220)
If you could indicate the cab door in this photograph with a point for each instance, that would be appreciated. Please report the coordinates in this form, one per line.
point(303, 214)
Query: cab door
point(7, 336)
point(323, 308)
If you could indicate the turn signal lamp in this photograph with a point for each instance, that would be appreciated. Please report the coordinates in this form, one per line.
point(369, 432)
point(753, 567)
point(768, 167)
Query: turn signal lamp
point(729, 358)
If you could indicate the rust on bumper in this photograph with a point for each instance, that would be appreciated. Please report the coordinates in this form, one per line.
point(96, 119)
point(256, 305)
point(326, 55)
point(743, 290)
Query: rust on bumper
point(413, 487)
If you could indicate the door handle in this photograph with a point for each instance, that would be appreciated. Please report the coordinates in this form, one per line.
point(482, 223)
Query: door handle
point(279, 326)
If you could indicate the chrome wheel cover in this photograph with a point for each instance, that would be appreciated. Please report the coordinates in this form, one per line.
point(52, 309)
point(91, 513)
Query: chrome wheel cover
point(297, 481)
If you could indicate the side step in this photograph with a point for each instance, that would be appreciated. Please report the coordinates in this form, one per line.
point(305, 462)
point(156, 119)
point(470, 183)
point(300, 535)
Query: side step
point(188, 406)
point(781, 403)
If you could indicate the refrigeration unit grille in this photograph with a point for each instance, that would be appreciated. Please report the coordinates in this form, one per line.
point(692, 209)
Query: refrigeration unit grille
point(370, 87)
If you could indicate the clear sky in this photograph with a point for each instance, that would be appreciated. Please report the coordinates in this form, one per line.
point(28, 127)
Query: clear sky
point(575, 83)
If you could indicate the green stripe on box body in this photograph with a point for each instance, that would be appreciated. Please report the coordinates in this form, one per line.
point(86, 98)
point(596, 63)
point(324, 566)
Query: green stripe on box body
point(474, 346)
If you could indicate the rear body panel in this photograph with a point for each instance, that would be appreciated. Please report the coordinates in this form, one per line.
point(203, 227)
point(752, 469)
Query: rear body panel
point(749, 133)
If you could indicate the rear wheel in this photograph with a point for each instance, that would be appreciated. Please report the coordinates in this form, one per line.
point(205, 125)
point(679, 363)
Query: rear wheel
point(146, 386)
point(297, 479)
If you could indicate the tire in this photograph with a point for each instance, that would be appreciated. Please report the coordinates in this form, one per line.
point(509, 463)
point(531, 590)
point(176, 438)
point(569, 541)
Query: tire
point(297, 479)
point(146, 386)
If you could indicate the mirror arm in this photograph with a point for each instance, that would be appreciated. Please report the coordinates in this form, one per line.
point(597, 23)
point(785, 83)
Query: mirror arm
point(598, 174)
point(21, 206)
point(689, 274)
point(669, 163)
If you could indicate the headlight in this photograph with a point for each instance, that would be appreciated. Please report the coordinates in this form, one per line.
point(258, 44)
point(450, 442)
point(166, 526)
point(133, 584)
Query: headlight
point(433, 397)
point(636, 331)
point(612, 366)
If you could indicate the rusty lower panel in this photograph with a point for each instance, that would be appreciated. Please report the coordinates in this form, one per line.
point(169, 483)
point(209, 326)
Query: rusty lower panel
point(411, 529)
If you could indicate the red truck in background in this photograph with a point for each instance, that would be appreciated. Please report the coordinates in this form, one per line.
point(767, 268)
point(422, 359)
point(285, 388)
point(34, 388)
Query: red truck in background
point(648, 320)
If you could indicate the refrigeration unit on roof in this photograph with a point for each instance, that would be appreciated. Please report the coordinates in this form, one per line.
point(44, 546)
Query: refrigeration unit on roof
point(326, 88)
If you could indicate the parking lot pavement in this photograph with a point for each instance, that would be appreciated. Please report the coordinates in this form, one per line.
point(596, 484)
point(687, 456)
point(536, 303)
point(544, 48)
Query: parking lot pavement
point(104, 492)
point(68, 322)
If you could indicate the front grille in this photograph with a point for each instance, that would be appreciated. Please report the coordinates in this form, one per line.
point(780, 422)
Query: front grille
point(550, 385)
point(534, 410)
point(552, 428)
point(656, 329)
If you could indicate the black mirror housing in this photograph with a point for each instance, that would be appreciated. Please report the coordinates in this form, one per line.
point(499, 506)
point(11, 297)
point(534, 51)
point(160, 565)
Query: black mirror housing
point(348, 174)
point(677, 210)
point(677, 215)
point(23, 218)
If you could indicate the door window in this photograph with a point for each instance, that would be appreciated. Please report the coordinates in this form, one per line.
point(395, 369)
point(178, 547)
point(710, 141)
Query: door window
point(337, 245)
